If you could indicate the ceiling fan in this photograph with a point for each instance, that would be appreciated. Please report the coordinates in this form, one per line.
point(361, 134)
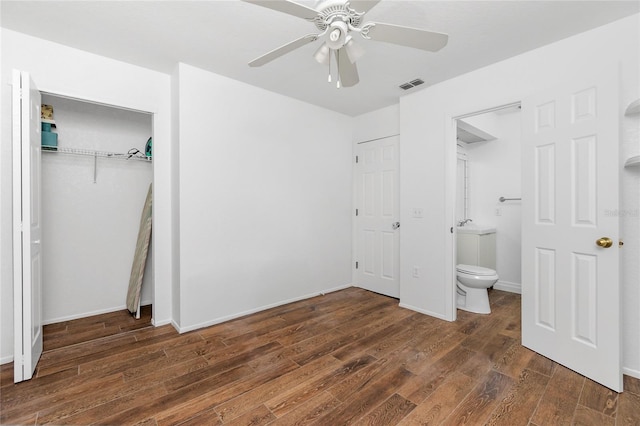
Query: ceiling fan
point(337, 20)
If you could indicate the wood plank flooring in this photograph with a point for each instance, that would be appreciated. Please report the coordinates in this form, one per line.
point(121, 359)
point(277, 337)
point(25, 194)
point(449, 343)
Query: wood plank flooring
point(349, 357)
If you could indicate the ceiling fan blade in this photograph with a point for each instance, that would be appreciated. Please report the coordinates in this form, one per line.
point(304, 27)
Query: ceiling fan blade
point(363, 6)
point(286, 6)
point(283, 50)
point(406, 36)
point(347, 70)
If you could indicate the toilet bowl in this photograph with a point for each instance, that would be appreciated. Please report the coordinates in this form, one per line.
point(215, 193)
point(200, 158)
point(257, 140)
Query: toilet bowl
point(473, 282)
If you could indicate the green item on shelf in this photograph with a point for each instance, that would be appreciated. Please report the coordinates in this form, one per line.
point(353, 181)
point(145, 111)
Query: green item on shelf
point(148, 148)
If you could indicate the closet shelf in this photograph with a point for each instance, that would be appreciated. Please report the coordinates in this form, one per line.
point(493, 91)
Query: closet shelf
point(92, 153)
point(633, 161)
point(633, 108)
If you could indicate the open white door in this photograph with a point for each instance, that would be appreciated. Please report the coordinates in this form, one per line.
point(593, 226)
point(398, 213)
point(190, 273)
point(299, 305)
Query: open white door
point(570, 286)
point(377, 204)
point(27, 260)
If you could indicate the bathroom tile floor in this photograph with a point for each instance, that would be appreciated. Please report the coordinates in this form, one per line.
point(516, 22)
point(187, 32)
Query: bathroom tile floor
point(349, 357)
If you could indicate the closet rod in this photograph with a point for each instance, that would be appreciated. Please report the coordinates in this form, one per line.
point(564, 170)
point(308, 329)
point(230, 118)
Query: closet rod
point(92, 153)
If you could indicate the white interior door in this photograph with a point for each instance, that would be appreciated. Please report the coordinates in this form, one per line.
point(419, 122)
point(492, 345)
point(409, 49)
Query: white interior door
point(27, 287)
point(377, 226)
point(570, 288)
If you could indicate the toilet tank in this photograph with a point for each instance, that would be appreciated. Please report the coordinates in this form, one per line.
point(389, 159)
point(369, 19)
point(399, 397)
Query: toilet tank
point(476, 247)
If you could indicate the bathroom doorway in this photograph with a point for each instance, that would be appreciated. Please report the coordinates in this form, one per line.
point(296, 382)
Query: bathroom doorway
point(488, 193)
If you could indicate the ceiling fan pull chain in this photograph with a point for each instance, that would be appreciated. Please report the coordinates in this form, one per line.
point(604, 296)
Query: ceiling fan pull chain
point(337, 70)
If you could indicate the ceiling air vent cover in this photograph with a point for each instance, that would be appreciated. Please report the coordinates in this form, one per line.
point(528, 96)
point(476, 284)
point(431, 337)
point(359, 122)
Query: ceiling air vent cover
point(411, 84)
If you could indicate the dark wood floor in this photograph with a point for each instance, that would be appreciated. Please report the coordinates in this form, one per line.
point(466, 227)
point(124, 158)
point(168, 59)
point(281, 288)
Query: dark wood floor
point(349, 357)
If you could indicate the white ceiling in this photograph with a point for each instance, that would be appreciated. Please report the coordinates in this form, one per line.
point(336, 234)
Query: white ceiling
point(223, 35)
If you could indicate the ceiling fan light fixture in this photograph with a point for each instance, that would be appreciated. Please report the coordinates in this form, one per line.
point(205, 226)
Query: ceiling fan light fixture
point(323, 54)
point(354, 50)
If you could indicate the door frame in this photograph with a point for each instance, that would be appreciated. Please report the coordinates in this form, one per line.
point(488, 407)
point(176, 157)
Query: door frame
point(154, 265)
point(354, 206)
point(450, 191)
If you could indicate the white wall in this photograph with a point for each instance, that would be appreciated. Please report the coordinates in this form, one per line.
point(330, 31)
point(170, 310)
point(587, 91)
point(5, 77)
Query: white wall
point(66, 71)
point(426, 130)
point(494, 172)
point(265, 197)
point(89, 230)
point(376, 124)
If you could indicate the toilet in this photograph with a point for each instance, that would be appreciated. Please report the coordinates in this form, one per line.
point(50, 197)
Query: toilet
point(473, 282)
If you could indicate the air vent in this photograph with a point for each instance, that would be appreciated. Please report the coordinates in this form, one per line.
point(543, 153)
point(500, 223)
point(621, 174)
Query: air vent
point(411, 84)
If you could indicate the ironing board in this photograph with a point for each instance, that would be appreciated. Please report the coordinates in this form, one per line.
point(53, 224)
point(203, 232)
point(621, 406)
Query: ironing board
point(140, 257)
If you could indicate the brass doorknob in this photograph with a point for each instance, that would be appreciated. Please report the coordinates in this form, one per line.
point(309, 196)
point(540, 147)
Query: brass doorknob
point(604, 242)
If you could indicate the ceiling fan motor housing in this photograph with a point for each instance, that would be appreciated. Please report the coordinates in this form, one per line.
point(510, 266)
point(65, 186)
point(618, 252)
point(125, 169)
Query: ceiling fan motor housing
point(337, 34)
point(332, 11)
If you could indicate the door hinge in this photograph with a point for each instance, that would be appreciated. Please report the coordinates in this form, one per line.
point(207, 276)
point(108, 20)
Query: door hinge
point(356, 159)
point(356, 212)
point(356, 265)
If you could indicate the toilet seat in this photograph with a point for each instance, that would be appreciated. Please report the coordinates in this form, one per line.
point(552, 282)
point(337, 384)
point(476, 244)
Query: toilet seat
point(475, 270)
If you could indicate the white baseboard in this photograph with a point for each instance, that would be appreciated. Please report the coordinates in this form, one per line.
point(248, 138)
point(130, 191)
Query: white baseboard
point(253, 311)
point(83, 315)
point(631, 372)
point(6, 359)
point(423, 311)
point(508, 286)
point(92, 313)
point(161, 323)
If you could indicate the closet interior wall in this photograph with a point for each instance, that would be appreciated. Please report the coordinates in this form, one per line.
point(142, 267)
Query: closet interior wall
point(90, 229)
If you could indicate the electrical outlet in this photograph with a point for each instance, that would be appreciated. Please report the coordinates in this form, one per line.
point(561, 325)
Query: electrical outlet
point(417, 212)
point(416, 272)
point(498, 211)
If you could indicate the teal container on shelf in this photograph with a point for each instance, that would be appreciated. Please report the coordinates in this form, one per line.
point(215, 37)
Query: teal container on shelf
point(49, 139)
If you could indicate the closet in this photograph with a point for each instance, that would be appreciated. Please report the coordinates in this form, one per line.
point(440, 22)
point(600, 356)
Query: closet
point(93, 190)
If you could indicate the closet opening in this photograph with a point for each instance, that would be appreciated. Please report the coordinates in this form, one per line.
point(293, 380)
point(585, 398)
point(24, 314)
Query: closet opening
point(95, 179)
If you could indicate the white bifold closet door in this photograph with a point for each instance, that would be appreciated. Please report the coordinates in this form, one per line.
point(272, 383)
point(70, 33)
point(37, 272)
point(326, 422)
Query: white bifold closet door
point(27, 230)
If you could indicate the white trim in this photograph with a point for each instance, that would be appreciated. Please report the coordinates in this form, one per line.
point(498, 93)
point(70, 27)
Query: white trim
point(253, 311)
point(425, 311)
point(377, 139)
point(6, 360)
point(508, 286)
point(490, 109)
point(631, 372)
point(161, 323)
point(16, 221)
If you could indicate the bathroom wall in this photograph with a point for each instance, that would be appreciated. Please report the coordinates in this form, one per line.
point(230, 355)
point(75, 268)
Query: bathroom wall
point(494, 172)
